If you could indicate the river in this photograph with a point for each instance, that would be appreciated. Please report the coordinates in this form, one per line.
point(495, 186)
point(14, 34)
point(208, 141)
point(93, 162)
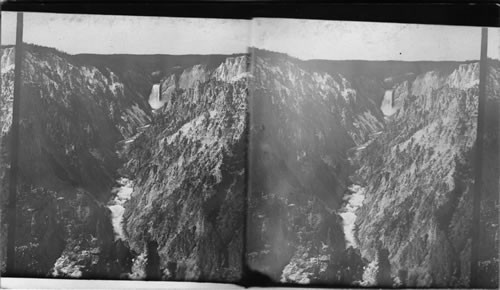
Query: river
point(122, 195)
point(353, 201)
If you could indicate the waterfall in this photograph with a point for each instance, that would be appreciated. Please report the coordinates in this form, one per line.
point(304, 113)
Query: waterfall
point(154, 97)
point(387, 105)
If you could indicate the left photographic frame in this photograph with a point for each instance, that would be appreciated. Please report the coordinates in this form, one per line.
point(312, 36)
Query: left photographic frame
point(131, 147)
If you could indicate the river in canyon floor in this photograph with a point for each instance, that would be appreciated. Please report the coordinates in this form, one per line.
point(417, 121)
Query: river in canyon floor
point(353, 202)
point(122, 195)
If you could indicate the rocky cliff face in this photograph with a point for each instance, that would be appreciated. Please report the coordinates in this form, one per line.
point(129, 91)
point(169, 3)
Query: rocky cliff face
point(188, 169)
point(330, 170)
point(95, 147)
point(71, 118)
point(419, 176)
point(302, 125)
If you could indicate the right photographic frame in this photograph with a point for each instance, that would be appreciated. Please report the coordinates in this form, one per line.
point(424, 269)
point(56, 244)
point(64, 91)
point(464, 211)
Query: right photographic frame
point(373, 154)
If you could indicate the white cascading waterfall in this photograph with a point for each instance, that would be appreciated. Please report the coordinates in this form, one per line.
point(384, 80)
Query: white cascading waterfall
point(154, 97)
point(387, 106)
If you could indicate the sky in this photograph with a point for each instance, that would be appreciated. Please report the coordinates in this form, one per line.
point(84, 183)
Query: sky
point(105, 34)
point(339, 40)
point(305, 39)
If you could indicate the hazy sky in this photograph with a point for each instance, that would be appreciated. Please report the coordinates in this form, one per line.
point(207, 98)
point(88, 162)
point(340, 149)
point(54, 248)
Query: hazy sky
point(78, 33)
point(317, 39)
point(306, 39)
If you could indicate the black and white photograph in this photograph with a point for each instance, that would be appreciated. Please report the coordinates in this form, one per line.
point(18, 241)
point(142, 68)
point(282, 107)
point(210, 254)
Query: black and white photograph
point(131, 146)
point(142, 150)
point(362, 154)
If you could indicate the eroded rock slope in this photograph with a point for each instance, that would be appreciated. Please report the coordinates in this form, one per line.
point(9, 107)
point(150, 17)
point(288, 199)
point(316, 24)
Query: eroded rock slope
point(188, 169)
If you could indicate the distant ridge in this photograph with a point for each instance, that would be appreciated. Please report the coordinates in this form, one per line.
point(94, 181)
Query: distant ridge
point(380, 69)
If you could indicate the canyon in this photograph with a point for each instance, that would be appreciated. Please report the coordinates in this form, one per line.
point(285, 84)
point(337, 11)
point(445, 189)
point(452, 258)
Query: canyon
point(365, 177)
point(192, 168)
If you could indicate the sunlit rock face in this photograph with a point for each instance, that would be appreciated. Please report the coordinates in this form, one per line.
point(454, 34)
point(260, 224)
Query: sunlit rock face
point(193, 76)
point(234, 69)
point(188, 169)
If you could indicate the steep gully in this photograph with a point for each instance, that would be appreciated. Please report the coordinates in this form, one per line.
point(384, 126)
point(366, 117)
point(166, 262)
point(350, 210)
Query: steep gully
point(122, 193)
point(301, 211)
point(354, 200)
